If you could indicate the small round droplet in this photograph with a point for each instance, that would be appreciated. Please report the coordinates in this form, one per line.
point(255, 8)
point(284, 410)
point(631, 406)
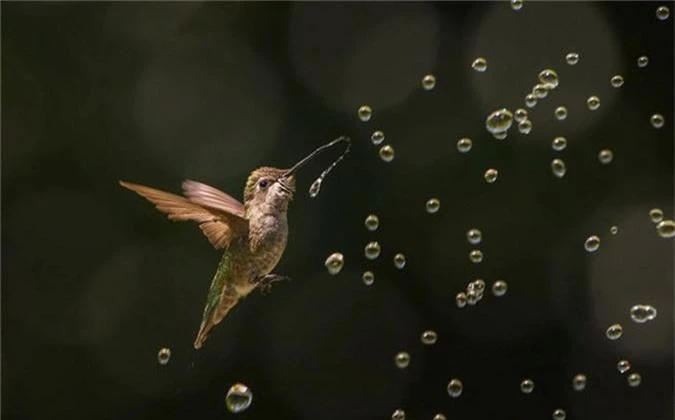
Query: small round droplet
point(656, 215)
point(560, 113)
point(614, 331)
point(368, 278)
point(429, 337)
point(540, 91)
point(402, 360)
point(472, 297)
point(491, 175)
point(662, 12)
point(616, 81)
point(666, 229)
point(440, 416)
point(398, 415)
point(579, 382)
point(474, 236)
point(549, 78)
point(433, 205)
point(642, 313)
point(315, 187)
point(623, 366)
point(657, 120)
point(464, 145)
point(377, 137)
point(592, 243)
point(559, 144)
point(525, 126)
point(634, 380)
point(558, 168)
point(479, 64)
point(527, 386)
point(478, 285)
point(520, 115)
point(238, 398)
point(614, 230)
point(387, 153)
point(163, 356)
point(334, 263)
point(455, 388)
point(530, 100)
point(572, 58)
point(499, 288)
point(460, 299)
point(516, 4)
point(429, 82)
point(593, 103)
point(605, 156)
point(559, 414)
point(642, 61)
point(365, 113)
point(372, 222)
point(476, 256)
point(372, 250)
point(499, 121)
point(399, 261)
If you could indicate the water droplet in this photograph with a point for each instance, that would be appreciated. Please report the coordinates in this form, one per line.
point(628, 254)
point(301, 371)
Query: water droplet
point(593, 103)
point(614, 331)
point(549, 78)
point(558, 168)
point(616, 81)
point(592, 243)
point(520, 115)
point(315, 187)
point(516, 4)
point(474, 236)
point(579, 382)
point(372, 222)
point(623, 366)
point(560, 113)
point(440, 416)
point(163, 356)
point(398, 415)
point(387, 153)
point(527, 386)
point(657, 120)
point(499, 121)
point(365, 113)
point(666, 229)
point(491, 175)
point(656, 215)
point(455, 388)
point(464, 145)
point(399, 261)
point(372, 250)
point(433, 205)
point(479, 64)
point(402, 360)
point(662, 12)
point(530, 100)
point(499, 288)
point(614, 230)
point(429, 82)
point(238, 398)
point(377, 137)
point(642, 313)
point(368, 278)
point(500, 136)
point(559, 414)
point(478, 285)
point(605, 156)
point(559, 143)
point(634, 380)
point(472, 297)
point(540, 91)
point(572, 58)
point(429, 337)
point(460, 299)
point(525, 126)
point(334, 263)
point(476, 256)
point(642, 61)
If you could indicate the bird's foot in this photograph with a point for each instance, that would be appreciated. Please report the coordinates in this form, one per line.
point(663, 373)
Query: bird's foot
point(265, 282)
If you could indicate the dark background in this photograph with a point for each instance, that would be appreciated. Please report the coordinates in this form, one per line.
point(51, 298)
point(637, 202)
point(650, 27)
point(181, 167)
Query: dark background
point(95, 281)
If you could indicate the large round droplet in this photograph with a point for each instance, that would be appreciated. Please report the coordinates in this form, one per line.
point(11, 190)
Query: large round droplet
point(372, 222)
point(398, 415)
point(500, 136)
point(662, 12)
point(525, 126)
point(476, 256)
point(499, 288)
point(540, 91)
point(163, 356)
point(402, 360)
point(372, 250)
point(579, 382)
point(491, 175)
point(614, 331)
point(377, 137)
point(572, 58)
point(238, 398)
point(559, 414)
point(592, 243)
point(429, 82)
point(558, 168)
point(334, 263)
point(368, 278)
point(549, 78)
point(616, 81)
point(666, 229)
point(499, 121)
point(479, 64)
point(433, 205)
point(472, 297)
point(399, 261)
point(530, 100)
point(634, 380)
point(478, 285)
point(455, 388)
point(527, 386)
point(520, 115)
point(559, 144)
point(642, 313)
point(460, 299)
point(656, 215)
point(623, 366)
point(643, 61)
point(387, 153)
point(657, 120)
point(605, 156)
point(429, 337)
point(516, 4)
point(365, 113)
point(474, 236)
point(560, 113)
point(464, 145)
point(593, 103)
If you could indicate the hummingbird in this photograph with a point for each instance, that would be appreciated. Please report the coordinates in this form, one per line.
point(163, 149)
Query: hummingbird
point(253, 235)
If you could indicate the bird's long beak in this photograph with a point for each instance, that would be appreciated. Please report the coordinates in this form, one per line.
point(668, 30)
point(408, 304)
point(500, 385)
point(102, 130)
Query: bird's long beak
point(311, 156)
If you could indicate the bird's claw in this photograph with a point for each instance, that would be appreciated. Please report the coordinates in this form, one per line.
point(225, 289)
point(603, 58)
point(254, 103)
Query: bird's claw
point(265, 282)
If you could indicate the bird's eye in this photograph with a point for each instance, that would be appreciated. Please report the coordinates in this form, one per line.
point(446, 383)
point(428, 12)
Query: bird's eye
point(263, 183)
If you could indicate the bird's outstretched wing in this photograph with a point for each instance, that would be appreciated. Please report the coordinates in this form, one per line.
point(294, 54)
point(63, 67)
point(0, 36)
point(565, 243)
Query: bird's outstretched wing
point(220, 217)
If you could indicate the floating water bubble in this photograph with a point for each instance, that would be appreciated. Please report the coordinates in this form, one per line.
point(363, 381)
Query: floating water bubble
point(662, 12)
point(614, 230)
point(520, 115)
point(464, 145)
point(474, 236)
point(623, 366)
point(238, 398)
point(387, 153)
point(372, 250)
point(163, 356)
point(549, 78)
point(559, 414)
point(455, 388)
point(516, 4)
point(530, 100)
point(558, 168)
point(460, 299)
point(540, 91)
point(642, 61)
point(525, 126)
point(527, 386)
point(365, 113)
point(472, 297)
point(429, 337)
point(593, 103)
point(579, 382)
point(642, 313)
point(402, 359)
point(634, 380)
point(592, 243)
point(479, 64)
point(440, 416)
point(334, 263)
point(572, 58)
point(500, 136)
point(666, 229)
point(377, 137)
point(429, 82)
point(368, 278)
point(616, 81)
point(399, 261)
point(657, 120)
point(491, 175)
point(499, 288)
point(656, 215)
point(433, 205)
point(315, 187)
point(605, 156)
point(499, 121)
point(614, 331)
point(559, 143)
point(476, 256)
point(372, 222)
point(560, 113)
point(478, 285)
point(398, 415)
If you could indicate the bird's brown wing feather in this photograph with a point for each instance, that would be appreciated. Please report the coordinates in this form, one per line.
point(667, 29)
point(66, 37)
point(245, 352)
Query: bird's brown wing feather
point(213, 198)
point(219, 225)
